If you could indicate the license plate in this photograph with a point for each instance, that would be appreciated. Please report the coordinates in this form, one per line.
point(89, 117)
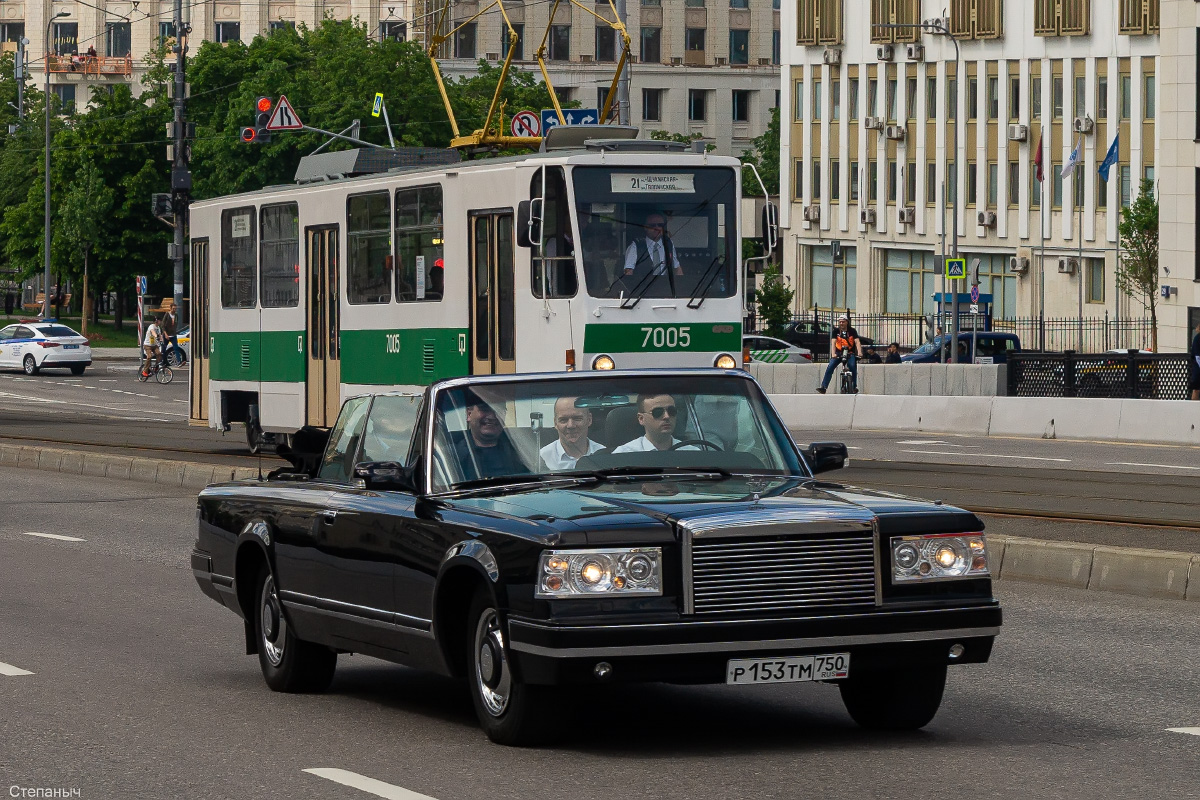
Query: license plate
point(70, 347)
point(788, 669)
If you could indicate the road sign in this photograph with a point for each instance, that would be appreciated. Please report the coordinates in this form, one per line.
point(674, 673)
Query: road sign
point(974, 294)
point(526, 123)
point(378, 106)
point(956, 268)
point(573, 116)
point(284, 118)
point(974, 308)
point(141, 284)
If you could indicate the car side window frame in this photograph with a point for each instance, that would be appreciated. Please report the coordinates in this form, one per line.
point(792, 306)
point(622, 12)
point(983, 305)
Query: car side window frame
point(338, 433)
point(24, 333)
point(414, 435)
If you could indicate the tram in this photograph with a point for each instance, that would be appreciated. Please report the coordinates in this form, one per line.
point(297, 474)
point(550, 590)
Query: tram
point(591, 254)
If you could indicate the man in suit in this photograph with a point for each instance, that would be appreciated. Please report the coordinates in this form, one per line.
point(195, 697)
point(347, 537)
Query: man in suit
point(653, 253)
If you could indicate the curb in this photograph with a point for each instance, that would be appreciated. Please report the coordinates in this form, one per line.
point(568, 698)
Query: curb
point(1162, 574)
point(176, 474)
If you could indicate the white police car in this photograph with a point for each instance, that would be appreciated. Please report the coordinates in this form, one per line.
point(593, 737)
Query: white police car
point(34, 346)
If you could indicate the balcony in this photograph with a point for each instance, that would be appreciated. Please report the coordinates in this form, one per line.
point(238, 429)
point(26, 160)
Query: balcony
point(116, 66)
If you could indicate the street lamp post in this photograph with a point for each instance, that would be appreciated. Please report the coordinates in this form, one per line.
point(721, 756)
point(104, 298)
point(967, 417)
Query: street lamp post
point(46, 99)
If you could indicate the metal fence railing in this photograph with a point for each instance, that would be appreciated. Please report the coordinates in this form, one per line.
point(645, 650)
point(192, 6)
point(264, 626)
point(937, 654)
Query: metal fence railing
point(1134, 375)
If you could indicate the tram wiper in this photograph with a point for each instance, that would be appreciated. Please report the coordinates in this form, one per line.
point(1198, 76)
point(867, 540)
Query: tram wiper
point(701, 294)
point(635, 297)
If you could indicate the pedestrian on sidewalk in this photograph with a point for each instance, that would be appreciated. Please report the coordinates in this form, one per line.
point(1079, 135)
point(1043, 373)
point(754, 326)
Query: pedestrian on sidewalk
point(151, 345)
point(1194, 363)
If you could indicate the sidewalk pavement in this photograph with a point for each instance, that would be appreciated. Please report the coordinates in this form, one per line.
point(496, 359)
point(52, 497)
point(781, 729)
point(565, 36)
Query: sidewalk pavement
point(116, 354)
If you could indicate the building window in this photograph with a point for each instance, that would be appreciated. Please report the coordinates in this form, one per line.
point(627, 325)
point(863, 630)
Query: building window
point(872, 97)
point(117, 39)
point(1196, 221)
point(835, 100)
point(65, 92)
point(739, 3)
point(891, 187)
point(228, 32)
point(834, 284)
point(606, 43)
point(696, 98)
point(972, 183)
point(519, 47)
point(279, 246)
point(739, 47)
point(818, 22)
point(651, 45)
point(1148, 96)
point(895, 12)
point(1095, 280)
point(977, 19)
point(993, 187)
point(835, 180)
point(1077, 183)
point(873, 180)
point(910, 183)
point(1058, 96)
point(1101, 98)
point(1148, 174)
point(1139, 17)
point(952, 182)
point(816, 179)
point(1126, 187)
point(368, 240)
point(652, 3)
point(995, 279)
point(1126, 97)
point(798, 188)
point(694, 3)
point(1035, 97)
point(1014, 98)
point(854, 180)
point(993, 99)
point(1036, 186)
point(239, 257)
point(1080, 98)
point(1061, 17)
point(816, 103)
point(1057, 197)
point(652, 104)
point(799, 100)
point(972, 98)
point(911, 280)
point(741, 105)
point(776, 49)
point(891, 98)
point(166, 31)
point(464, 41)
point(419, 243)
point(560, 42)
point(852, 99)
point(930, 98)
point(693, 39)
point(952, 98)
point(11, 31)
point(910, 99)
point(1102, 192)
point(1014, 184)
point(931, 187)
point(66, 38)
point(395, 30)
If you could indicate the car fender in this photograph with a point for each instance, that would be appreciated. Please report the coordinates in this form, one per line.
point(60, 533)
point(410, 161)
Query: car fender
point(468, 562)
point(255, 537)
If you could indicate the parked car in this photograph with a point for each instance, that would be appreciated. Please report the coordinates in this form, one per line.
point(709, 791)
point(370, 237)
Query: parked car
point(813, 336)
point(34, 346)
point(444, 531)
point(990, 348)
point(775, 351)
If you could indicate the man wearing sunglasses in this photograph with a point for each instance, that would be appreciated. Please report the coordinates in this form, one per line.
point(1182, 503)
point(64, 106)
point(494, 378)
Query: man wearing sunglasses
point(654, 252)
point(657, 414)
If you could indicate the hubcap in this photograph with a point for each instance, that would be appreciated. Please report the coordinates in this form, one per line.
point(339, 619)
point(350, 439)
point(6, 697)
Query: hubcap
point(492, 677)
point(273, 626)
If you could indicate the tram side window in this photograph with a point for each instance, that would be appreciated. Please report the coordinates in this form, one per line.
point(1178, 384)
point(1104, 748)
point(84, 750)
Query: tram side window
point(239, 273)
point(368, 234)
point(280, 242)
point(558, 245)
point(419, 252)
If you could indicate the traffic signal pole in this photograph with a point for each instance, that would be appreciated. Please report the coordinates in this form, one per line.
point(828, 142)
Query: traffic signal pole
point(181, 176)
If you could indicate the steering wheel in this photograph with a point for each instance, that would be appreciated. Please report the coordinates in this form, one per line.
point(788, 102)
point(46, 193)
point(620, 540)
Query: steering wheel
point(704, 442)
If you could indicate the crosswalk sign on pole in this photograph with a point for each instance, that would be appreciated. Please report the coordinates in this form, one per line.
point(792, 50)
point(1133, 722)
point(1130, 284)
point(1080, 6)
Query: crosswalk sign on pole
point(956, 268)
point(378, 107)
point(284, 117)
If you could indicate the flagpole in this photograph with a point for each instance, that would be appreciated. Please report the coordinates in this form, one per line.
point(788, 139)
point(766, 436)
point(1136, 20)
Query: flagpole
point(1042, 258)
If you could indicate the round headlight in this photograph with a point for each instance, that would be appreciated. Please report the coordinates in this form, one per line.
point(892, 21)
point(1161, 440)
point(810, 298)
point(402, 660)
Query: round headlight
point(945, 556)
point(725, 361)
point(907, 556)
point(603, 363)
point(639, 568)
point(591, 573)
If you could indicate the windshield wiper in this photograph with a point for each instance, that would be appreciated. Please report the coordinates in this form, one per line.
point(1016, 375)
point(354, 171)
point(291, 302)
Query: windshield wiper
point(501, 481)
point(638, 473)
point(701, 294)
point(644, 284)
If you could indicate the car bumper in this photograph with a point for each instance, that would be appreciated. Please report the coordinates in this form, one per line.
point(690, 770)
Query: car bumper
point(697, 651)
point(218, 587)
point(67, 358)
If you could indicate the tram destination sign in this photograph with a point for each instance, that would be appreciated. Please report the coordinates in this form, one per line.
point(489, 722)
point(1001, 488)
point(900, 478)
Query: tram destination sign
point(653, 182)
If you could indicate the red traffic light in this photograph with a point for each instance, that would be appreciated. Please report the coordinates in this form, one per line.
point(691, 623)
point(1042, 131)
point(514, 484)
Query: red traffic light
point(249, 135)
point(263, 104)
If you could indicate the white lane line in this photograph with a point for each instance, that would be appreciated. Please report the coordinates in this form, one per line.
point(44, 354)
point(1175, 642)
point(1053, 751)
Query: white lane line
point(982, 455)
point(368, 785)
point(11, 671)
point(108, 380)
point(922, 441)
point(54, 536)
point(1192, 731)
point(1136, 464)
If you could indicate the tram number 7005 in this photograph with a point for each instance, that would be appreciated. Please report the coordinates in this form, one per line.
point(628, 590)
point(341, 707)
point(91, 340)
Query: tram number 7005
point(393, 343)
point(666, 336)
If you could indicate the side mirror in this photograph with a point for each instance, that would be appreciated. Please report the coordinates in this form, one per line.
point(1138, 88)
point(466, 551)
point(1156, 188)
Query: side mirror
point(826, 456)
point(390, 475)
point(770, 227)
point(529, 222)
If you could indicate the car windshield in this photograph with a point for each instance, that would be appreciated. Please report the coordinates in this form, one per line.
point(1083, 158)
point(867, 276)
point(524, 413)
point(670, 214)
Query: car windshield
point(657, 233)
point(929, 347)
point(498, 432)
point(56, 330)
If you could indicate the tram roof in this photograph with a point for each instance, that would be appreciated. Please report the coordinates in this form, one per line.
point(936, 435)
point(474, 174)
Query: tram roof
point(565, 157)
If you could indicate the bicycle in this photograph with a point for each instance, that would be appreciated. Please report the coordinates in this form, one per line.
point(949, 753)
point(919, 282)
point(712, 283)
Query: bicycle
point(161, 372)
point(846, 382)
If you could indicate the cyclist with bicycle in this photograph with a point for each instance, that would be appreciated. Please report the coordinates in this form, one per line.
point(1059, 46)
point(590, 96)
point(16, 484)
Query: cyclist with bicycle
point(151, 346)
point(844, 339)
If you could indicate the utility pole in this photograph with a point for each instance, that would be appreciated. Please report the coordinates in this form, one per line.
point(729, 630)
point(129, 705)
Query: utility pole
point(181, 176)
point(623, 84)
point(19, 75)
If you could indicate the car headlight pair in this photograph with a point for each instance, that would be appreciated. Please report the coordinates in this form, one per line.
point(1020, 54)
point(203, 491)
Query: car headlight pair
point(586, 573)
point(939, 557)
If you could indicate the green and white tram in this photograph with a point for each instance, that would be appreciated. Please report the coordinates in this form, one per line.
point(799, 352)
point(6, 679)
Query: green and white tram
point(600, 255)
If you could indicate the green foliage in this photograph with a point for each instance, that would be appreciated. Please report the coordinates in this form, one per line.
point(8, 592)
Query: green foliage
point(685, 138)
point(1137, 269)
point(764, 155)
point(774, 298)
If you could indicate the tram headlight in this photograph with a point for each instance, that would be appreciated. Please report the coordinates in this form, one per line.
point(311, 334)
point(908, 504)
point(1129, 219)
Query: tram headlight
point(603, 363)
point(939, 556)
point(725, 361)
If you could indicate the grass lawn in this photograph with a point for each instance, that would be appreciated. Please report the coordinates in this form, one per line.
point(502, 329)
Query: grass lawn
point(102, 335)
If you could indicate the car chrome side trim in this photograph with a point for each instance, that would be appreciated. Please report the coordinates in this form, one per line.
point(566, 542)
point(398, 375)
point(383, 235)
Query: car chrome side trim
point(350, 611)
point(749, 645)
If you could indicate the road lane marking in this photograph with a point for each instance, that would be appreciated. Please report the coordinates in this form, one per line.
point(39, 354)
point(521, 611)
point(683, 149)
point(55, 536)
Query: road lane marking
point(54, 536)
point(365, 784)
point(11, 671)
point(1136, 464)
point(1192, 731)
point(923, 441)
point(982, 455)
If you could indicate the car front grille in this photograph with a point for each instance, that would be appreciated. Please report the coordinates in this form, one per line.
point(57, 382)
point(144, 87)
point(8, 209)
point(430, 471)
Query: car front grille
point(785, 573)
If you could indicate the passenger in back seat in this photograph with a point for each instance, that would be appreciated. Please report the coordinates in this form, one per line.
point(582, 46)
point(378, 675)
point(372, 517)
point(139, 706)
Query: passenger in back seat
point(572, 424)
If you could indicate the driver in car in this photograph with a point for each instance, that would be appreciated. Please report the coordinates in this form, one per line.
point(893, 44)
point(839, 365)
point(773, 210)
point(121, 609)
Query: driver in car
point(657, 414)
point(486, 451)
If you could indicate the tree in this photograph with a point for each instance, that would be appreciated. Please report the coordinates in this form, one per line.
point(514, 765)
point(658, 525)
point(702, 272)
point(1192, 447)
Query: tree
point(1137, 267)
point(83, 218)
point(774, 298)
point(764, 155)
point(683, 138)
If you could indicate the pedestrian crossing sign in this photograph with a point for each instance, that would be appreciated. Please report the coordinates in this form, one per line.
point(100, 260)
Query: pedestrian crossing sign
point(956, 268)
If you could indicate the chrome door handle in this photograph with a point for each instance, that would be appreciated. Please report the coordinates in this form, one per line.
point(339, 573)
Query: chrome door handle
point(328, 517)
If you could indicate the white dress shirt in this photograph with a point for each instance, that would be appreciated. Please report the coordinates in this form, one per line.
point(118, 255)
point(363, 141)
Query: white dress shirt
point(557, 458)
point(644, 445)
point(656, 252)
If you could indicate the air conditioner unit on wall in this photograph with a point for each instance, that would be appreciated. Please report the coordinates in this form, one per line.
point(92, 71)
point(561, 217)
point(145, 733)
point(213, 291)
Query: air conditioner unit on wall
point(1018, 264)
point(885, 52)
point(933, 24)
point(874, 123)
point(866, 216)
point(1018, 133)
point(986, 219)
point(1067, 266)
point(908, 216)
point(812, 213)
point(1084, 125)
point(895, 132)
point(915, 52)
point(832, 55)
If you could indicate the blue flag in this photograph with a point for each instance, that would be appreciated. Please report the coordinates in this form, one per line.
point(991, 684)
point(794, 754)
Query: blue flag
point(1111, 158)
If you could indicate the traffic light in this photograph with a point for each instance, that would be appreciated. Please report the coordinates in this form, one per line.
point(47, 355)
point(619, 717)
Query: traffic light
point(258, 133)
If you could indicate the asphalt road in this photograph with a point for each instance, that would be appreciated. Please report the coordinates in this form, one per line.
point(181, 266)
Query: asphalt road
point(138, 689)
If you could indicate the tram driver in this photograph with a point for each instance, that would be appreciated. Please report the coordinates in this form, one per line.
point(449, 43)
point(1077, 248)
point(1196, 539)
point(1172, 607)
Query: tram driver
point(486, 451)
point(652, 253)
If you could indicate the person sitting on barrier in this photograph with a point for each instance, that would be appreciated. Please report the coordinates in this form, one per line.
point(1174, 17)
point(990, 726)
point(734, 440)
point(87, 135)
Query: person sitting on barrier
point(844, 338)
point(893, 354)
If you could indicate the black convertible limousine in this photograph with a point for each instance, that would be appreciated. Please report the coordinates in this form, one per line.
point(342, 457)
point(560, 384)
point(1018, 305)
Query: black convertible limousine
point(529, 532)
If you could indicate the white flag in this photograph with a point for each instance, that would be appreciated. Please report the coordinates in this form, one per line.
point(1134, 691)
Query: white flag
point(1073, 159)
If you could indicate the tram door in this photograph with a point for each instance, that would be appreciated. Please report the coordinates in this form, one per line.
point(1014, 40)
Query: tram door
point(324, 326)
point(493, 313)
point(200, 348)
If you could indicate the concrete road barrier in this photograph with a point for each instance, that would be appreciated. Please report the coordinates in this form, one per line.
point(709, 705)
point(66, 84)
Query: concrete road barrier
point(176, 474)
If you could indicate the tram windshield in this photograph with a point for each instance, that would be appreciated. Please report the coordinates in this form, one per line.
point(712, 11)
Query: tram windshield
point(653, 232)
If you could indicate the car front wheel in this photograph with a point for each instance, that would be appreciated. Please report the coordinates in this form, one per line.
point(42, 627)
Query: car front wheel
point(897, 700)
point(509, 710)
point(288, 664)
point(30, 365)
